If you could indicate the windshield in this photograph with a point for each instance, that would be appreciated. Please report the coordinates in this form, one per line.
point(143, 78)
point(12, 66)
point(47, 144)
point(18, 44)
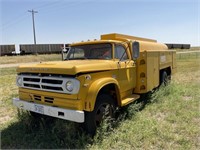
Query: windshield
point(90, 51)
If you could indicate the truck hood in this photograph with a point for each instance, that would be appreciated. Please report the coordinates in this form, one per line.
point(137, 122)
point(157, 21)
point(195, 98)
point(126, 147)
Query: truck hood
point(70, 67)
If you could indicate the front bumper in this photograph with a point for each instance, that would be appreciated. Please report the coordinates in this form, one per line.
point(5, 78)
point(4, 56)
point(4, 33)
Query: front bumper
point(66, 114)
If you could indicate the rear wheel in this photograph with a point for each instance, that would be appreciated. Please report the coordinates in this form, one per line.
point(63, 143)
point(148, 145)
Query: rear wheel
point(104, 108)
point(164, 78)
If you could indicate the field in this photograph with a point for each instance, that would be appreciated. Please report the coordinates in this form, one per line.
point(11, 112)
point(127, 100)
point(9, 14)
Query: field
point(29, 58)
point(170, 119)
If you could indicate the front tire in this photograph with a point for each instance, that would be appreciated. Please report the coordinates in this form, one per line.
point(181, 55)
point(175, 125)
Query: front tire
point(104, 108)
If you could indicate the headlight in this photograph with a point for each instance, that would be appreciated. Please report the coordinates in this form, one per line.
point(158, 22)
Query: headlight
point(19, 81)
point(69, 86)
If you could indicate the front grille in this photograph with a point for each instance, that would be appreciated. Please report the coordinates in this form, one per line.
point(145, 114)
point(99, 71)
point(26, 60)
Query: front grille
point(52, 88)
point(32, 79)
point(52, 81)
point(48, 99)
point(45, 83)
point(31, 85)
point(37, 98)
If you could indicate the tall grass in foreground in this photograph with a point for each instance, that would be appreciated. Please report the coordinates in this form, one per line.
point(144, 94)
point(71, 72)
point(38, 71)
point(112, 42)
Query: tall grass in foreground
point(169, 121)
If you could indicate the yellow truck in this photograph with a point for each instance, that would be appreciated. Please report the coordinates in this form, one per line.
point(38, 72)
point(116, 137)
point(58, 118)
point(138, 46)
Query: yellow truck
point(94, 77)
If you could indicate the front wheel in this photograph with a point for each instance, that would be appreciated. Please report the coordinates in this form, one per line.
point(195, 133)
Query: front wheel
point(104, 108)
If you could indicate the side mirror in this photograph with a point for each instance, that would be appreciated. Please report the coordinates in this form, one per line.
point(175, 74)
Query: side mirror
point(135, 50)
point(64, 53)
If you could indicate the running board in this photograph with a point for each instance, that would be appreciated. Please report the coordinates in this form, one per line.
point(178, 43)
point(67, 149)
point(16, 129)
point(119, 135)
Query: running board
point(130, 99)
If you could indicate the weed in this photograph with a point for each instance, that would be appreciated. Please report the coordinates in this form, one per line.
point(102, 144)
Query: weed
point(47, 132)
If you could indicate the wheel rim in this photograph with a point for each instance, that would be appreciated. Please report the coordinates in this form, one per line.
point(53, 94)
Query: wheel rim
point(104, 110)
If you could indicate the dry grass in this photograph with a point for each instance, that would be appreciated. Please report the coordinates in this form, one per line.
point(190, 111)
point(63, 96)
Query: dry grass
point(191, 49)
point(188, 71)
point(29, 58)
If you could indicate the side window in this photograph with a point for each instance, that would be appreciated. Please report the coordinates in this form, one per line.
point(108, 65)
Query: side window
point(119, 52)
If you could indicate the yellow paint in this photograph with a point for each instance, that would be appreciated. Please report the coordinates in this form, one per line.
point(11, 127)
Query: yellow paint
point(129, 78)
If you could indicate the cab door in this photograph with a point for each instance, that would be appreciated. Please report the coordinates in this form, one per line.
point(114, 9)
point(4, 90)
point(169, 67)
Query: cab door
point(126, 70)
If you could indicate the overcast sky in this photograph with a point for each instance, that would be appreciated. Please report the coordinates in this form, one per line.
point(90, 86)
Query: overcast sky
point(66, 21)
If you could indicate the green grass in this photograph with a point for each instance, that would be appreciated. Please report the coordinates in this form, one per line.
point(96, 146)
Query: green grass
point(170, 120)
point(8, 89)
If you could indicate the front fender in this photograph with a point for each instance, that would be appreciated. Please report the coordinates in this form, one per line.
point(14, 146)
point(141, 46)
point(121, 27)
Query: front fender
point(94, 89)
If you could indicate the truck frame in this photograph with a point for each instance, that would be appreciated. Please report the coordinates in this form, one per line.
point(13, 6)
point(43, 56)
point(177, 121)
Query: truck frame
point(94, 78)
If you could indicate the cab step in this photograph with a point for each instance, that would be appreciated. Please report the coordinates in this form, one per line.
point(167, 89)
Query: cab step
point(130, 99)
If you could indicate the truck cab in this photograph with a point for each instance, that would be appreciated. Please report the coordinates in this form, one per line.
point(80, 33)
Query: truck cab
point(94, 78)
